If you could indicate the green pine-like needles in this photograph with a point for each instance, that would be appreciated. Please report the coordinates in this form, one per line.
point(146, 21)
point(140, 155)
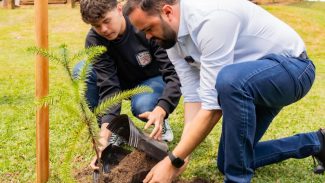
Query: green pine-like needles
point(77, 91)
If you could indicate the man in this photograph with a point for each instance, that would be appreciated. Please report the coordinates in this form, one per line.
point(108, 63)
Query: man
point(246, 64)
point(130, 60)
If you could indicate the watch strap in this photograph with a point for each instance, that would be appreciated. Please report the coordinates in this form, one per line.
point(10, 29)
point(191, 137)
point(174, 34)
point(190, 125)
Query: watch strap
point(176, 161)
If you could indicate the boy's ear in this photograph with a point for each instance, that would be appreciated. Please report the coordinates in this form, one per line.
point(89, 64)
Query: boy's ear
point(119, 7)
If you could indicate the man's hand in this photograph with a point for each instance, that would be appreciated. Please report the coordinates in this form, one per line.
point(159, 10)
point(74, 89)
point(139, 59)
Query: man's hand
point(164, 172)
point(104, 135)
point(155, 117)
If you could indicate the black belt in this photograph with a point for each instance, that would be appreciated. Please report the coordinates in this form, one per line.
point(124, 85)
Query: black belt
point(303, 55)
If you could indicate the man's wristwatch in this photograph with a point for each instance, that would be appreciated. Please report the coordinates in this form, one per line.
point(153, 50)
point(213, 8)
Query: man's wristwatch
point(176, 161)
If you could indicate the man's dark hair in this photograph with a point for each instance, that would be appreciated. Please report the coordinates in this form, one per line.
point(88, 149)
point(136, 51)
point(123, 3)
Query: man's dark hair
point(152, 7)
point(94, 10)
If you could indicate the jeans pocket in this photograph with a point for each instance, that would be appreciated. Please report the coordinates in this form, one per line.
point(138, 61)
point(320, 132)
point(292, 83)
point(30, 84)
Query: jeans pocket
point(306, 80)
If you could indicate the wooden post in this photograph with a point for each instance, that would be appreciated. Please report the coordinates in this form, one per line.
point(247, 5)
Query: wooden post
point(12, 4)
point(42, 88)
point(72, 3)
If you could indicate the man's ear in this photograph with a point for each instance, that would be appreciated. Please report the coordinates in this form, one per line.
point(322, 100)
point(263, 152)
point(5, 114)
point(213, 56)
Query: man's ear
point(168, 11)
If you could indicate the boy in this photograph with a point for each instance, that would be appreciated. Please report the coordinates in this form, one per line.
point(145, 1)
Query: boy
point(130, 60)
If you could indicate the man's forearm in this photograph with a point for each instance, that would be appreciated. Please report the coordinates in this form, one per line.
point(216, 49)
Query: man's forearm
point(190, 111)
point(196, 131)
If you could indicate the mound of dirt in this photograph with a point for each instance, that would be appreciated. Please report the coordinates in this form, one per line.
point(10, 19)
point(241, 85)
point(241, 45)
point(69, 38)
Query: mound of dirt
point(131, 169)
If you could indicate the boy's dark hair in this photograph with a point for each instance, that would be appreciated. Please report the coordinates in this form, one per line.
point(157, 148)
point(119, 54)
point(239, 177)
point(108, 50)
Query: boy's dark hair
point(152, 7)
point(94, 10)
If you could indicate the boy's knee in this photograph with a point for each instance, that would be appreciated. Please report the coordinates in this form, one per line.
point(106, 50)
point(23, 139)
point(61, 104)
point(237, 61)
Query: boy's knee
point(141, 106)
point(139, 109)
point(77, 68)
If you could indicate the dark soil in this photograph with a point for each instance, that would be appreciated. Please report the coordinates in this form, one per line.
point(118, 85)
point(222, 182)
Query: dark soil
point(196, 180)
point(84, 175)
point(131, 169)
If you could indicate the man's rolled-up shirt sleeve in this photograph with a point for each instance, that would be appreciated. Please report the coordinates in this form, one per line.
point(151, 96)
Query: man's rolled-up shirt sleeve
point(216, 38)
point(189, 76)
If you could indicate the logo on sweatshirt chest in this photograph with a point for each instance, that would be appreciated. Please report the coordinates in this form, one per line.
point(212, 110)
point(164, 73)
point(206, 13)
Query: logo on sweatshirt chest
point(144, 58)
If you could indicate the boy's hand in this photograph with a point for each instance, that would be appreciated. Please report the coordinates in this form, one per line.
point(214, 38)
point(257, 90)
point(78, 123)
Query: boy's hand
point(104, 135)
point(155, 117)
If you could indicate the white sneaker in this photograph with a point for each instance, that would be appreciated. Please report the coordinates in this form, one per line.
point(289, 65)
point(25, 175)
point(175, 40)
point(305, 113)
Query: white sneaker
point(116, 140)
point(167, 133)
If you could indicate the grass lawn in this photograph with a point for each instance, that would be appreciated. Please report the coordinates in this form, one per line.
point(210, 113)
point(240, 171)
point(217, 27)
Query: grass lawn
point(17, 112)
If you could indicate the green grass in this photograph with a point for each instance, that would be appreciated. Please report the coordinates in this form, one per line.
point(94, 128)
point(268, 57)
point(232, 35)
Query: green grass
point(17, 113)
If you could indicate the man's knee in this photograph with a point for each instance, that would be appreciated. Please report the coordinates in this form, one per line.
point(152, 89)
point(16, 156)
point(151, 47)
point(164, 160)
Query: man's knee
point(228, 81)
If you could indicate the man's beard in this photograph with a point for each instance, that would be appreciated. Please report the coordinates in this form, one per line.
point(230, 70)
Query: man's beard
point(168, 39)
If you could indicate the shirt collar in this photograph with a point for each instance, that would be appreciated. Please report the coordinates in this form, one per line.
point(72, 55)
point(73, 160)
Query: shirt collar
point(182, 30)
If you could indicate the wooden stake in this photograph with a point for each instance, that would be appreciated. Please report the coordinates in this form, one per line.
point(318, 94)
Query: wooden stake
point(12, 4)
point(42, 88)
point(72, 3)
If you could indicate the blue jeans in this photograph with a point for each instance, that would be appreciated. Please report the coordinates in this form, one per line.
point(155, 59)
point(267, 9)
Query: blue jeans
point(139, 103)
point(251, 94)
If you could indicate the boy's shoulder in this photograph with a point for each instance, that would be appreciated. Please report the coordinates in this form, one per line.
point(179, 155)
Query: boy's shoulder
point(94, 39)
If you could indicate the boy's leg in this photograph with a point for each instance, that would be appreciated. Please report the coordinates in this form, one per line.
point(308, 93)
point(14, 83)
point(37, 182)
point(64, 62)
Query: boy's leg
point(92, 91)
point(272, 82)
point(147, 102)
point(92, 96)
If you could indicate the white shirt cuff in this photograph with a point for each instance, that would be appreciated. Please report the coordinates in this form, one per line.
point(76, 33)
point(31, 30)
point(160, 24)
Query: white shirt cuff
point(209, 99)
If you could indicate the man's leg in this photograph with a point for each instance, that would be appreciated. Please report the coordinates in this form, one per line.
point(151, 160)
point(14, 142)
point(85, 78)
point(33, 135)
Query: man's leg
point(264, 117)
point(146, 102)
point(267, 152)
point(272, 82)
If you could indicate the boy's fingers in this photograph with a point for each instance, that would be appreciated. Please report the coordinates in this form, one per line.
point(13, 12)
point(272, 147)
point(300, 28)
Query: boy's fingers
point(144, 115)
point(154, 131)
point(158, 134)
point(149, 123)
point(93, 164)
